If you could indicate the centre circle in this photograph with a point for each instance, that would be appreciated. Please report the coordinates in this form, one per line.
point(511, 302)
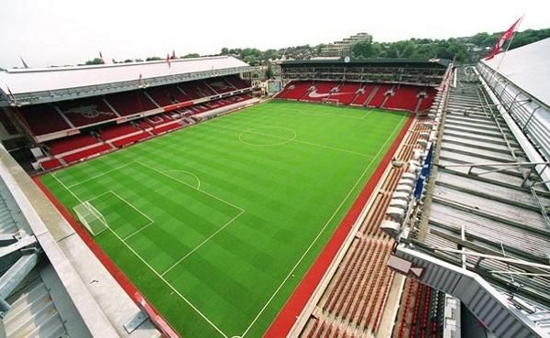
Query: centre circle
point(267, 136)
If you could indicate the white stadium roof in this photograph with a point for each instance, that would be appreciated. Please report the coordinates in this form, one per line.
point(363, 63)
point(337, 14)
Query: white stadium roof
point(527, 67)
point(46, 79)
point(41, 85)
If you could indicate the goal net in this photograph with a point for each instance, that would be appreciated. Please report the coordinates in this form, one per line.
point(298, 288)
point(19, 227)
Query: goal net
point(90, 217)
point(335, 102)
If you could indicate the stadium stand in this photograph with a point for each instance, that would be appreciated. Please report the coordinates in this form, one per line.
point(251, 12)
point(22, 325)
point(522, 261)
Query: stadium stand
point(167, 95)
point(220, 85)
point(236, 82)
point(79, 155)
point(67, 144)
point(364, 94)
point(43, 119)
point(295, 90)
point(366, 83)
point(50, 163)
point(403, 97)
point(319, 92)
point(379, 97)
point(155, 109)
point(85, 112)
point(132, 102)
point(345, 93)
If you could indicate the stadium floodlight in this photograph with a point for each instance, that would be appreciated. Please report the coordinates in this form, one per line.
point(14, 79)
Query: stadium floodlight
point(91, 218)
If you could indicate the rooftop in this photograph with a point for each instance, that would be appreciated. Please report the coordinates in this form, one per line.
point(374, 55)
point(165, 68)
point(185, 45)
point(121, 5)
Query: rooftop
point(527, 67)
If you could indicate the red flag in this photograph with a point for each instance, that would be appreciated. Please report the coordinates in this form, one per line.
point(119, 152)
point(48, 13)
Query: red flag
point(168, 60)
point(506, 36)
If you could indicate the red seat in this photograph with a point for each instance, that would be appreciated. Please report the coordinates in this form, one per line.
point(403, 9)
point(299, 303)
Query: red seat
point(295, 90)
point(66, 144)
point(115, 131)
point(50, 164)
point(43, 119)
point(128, 103)
point(77, 156)
point(86, 111)
point(131, 139)
point(167, 95)
point(321, 92)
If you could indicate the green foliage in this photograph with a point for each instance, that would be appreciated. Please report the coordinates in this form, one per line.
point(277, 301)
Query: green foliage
point(153, 58)
point(96, 61)
point(319, 47)
point(271, 54)
point(363, 50)
point(190, 56)
point(128, 60)
point(269, 72)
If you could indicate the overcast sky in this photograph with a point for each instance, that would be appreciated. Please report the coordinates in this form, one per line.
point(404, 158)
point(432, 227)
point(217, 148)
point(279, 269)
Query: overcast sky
point(59, 32)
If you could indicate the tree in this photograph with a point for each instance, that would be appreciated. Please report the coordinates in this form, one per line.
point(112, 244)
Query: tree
point(96, 61)
point(271, 54)
point(319, 47)
point(190, 56)
point(252, 60)
point(479, 38)
point(269, 73)
point(225, 51)
point(153, 58)
point(362, 50)
point(128, 60)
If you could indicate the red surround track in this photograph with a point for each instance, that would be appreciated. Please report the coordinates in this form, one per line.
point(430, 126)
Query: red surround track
point(286, 318)
point(120, 277)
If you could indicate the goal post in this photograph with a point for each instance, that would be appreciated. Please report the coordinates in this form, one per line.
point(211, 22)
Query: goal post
point(335, 102)
point(91, 218)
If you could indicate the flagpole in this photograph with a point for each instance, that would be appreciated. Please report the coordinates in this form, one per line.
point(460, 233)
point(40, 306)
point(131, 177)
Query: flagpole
point(507, 48)
point(510, 43)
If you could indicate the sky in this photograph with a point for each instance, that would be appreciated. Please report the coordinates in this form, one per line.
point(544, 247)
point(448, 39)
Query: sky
point(61, 32)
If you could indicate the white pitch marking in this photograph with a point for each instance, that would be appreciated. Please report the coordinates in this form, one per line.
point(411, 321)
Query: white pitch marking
point(187, 184)
point(299, 141)
point(64, 186)
point(151, 268)
point(202, 243)
point(312, 113)
point(284, 139)
point(186, 172)
point(321, 232)
point(100, 175)
point(170, 285)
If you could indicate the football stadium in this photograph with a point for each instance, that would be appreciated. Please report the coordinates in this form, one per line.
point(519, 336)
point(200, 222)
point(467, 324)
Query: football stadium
point(366, 198)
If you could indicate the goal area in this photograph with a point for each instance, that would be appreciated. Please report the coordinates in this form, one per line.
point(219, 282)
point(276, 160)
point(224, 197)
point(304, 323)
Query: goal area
point(91, 218)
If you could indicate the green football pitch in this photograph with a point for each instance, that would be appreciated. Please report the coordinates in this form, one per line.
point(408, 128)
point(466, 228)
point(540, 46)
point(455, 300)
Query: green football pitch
point(217, 223)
